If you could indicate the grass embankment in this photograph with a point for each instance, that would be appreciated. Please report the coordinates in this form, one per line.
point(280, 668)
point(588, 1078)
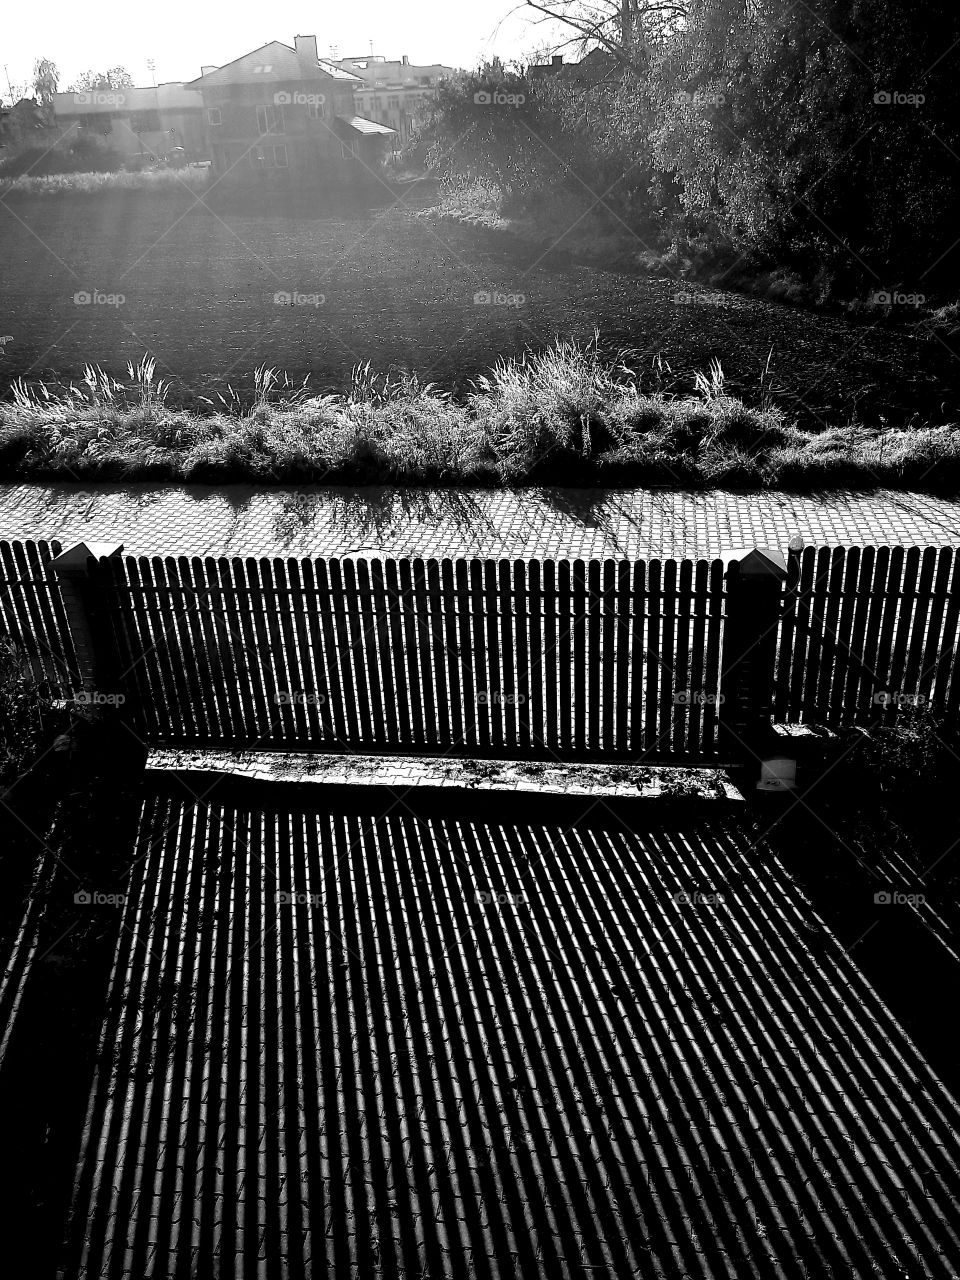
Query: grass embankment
point(566, 416)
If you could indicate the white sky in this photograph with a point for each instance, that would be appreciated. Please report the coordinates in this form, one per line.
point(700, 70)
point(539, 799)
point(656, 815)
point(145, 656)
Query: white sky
point(180, 35)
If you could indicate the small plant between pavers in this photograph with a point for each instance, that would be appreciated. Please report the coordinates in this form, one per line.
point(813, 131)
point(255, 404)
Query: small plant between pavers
point(567, 415)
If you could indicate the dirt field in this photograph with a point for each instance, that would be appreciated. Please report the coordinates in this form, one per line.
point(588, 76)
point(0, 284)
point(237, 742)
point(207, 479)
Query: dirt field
point(198, 286)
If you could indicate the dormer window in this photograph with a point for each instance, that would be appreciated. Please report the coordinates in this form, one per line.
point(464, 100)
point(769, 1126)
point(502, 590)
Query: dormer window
point(213, 116)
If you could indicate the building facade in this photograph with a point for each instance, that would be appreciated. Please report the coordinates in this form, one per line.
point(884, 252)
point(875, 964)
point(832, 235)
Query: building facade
point(394, 93)
point(279, 117)
point(149, 123)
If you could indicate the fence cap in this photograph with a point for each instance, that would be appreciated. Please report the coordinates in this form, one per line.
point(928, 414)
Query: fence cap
point(758, 562)
point(74, 559)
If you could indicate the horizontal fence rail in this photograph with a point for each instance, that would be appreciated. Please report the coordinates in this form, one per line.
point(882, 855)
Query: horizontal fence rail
point(867, 631)
point(32, 616)
point(566, 659)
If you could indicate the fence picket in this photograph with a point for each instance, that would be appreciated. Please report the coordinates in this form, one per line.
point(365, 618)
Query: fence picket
point(521, 604)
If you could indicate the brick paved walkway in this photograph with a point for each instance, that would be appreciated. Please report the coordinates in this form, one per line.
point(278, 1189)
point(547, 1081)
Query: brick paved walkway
point(619, 781)
point(244, 521)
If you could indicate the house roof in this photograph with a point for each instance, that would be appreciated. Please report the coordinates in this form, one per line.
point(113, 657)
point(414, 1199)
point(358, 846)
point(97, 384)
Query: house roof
point(173, 96)
point(359, 125)
point(276, 61)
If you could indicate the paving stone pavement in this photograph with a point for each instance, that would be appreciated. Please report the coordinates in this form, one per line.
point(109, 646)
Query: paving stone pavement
point(240, 520)
point(411, 771)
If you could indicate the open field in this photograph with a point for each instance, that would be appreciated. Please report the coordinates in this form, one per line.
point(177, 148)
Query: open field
point(198, 286)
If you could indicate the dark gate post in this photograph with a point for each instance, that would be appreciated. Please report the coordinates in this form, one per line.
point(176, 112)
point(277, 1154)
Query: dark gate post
point(754, 591)
point(85, 604)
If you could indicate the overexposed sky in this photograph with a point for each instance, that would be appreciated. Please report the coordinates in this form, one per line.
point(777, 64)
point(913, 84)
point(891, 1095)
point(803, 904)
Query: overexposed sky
point(180, 35)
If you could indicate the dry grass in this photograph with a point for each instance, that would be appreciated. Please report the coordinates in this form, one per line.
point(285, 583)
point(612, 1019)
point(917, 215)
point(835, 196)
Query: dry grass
point(151, 180)
point(567, 416)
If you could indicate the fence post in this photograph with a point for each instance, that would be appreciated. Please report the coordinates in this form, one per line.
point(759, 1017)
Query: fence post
point(754, 589)
point(87, 615)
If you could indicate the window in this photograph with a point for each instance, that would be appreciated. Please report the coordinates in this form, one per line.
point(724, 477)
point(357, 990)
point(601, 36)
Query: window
point(269, 119)
point(146, 122)
point(280, 157)
point(315, 110)
point(348, 151)
point(393, 103)
point(213, 116)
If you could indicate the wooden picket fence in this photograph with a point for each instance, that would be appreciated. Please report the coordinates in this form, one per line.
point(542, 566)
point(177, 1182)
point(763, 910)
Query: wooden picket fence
point(32, 615)
point(866, 631)
point(518, 658)
point(615, 660)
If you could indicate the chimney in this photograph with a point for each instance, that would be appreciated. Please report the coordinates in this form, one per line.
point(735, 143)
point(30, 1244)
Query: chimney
point(406, 61)
point(557, 60)
point(205, 71)
point(306, 47)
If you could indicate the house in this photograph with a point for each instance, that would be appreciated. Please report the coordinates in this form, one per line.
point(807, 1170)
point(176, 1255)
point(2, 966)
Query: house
point(394, 93)
point(280, 117)
point(147, 122)
point(594, 67)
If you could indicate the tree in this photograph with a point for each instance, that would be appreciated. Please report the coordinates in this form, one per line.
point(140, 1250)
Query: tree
point(627, 29)
point(46, 77)
point(115, 78)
